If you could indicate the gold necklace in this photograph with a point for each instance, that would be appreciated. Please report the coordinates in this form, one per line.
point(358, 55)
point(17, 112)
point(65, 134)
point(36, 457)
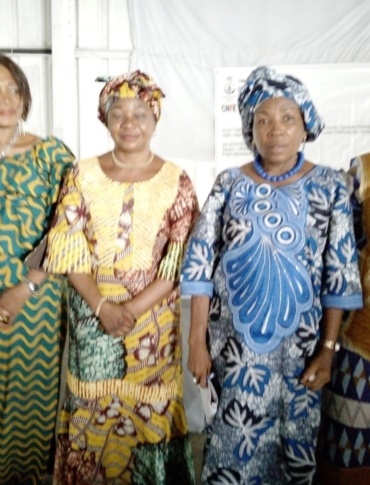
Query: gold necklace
point(10, 143)
point(132, 165)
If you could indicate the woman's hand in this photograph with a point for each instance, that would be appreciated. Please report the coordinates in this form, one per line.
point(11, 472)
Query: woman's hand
point(116, 319)
point(199, 363)
point(318, 371)
point(11, 302)
point(4, 319)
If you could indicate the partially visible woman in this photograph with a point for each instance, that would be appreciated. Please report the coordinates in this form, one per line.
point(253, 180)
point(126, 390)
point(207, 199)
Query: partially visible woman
point(344, 453)
point(271, 264)
point(122, 223)
point(31, 171)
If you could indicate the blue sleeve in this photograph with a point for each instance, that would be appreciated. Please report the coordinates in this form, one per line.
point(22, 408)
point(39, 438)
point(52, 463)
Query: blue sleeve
point(341, 279)
point(205, 242)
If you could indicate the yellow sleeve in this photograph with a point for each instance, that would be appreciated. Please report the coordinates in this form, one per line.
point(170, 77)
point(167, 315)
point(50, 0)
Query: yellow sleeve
point(182, 217)
point(68, 248)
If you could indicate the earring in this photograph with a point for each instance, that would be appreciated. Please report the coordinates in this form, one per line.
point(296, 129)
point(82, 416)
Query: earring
point(303, 143)
point(20, 127)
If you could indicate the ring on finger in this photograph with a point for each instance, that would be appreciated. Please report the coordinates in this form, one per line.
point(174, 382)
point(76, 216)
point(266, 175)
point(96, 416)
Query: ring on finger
point(195, 380)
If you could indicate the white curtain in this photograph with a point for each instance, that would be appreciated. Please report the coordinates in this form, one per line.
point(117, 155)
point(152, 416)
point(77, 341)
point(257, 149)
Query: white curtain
point(180, 42)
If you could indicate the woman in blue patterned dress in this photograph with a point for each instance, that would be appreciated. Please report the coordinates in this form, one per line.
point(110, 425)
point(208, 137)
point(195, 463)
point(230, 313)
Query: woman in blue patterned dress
point(270, 265)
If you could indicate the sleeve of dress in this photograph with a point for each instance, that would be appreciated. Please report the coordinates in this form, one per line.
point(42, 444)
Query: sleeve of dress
point(341, 279)
point(203, 248)
point(62, 160)
point(68, 249)
point(55, 154)
point(51, 159)
point(181, 219)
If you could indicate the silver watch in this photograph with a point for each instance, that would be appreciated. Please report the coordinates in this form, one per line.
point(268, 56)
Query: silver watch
point(32, 286)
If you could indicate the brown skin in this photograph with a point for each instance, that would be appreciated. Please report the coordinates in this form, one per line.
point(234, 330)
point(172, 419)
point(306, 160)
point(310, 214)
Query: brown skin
point(199, 361)
point(11, 110)
point(131, 124)
point(278, 131)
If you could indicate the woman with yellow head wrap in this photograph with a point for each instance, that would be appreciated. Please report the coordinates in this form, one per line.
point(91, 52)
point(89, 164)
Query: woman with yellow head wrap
point(121, 226)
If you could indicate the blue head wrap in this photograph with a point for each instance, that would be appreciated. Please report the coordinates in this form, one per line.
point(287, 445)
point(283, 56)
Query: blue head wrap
point(264, 83)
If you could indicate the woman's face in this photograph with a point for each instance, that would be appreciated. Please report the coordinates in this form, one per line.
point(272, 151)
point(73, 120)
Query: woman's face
point(11, 104)
point(278, 130)
point(131, 123)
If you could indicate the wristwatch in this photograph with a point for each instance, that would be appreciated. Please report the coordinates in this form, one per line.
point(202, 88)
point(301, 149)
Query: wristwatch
point(32, 286)
point(330, 344)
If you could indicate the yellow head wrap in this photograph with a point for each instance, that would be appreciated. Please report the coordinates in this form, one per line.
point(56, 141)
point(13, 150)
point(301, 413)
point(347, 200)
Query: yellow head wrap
point(133, 85)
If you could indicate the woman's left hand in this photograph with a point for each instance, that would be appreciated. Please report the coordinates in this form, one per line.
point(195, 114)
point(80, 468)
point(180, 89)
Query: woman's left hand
point(11, 302)
point(4, 319)
point(318, 371)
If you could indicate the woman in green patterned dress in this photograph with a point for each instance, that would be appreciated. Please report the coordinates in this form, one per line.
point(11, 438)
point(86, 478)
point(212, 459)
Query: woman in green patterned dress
point(31, 171)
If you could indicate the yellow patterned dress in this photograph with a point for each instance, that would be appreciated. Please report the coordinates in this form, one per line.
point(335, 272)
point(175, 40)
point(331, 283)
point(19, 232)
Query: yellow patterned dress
point(30, 350)
point(123, 419)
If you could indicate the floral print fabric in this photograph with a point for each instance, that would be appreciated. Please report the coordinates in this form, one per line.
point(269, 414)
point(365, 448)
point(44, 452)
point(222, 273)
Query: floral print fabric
point(270, 258)
point(124, 400)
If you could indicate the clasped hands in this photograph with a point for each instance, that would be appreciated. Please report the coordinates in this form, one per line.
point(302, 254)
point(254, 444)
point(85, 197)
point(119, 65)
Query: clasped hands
point(117, 319)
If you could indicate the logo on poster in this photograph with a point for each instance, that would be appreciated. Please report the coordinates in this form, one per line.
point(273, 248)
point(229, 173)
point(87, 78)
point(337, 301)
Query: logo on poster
point(229, 87)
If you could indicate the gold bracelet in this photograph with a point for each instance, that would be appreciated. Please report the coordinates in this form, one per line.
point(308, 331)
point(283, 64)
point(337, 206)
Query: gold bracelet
point(98, 308)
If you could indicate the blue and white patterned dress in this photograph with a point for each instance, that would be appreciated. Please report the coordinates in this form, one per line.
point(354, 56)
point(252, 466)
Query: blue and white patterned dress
point(270, 258)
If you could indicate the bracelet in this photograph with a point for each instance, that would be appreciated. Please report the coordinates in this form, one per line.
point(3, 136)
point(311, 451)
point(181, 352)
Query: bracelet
point(98, 308)
point(330, 344)
point(33, 287)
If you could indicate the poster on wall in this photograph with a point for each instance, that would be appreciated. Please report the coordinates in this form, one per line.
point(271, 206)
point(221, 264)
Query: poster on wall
point(341, 94)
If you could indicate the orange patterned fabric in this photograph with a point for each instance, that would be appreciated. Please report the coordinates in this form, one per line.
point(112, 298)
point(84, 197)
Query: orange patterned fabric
point(356, 333)
point(126, 396)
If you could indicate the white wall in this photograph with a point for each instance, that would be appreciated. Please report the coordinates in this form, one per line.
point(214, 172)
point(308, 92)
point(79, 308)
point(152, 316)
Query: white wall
point(89, 38)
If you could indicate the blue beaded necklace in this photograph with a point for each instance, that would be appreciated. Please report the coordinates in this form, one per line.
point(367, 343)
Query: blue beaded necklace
point(278, 178)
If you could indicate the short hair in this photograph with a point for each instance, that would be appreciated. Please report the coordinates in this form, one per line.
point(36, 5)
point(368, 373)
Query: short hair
point(21, 81)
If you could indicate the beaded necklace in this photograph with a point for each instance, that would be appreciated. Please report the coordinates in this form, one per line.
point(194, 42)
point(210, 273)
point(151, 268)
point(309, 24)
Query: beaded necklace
point(132, 165)
point(278, 178)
